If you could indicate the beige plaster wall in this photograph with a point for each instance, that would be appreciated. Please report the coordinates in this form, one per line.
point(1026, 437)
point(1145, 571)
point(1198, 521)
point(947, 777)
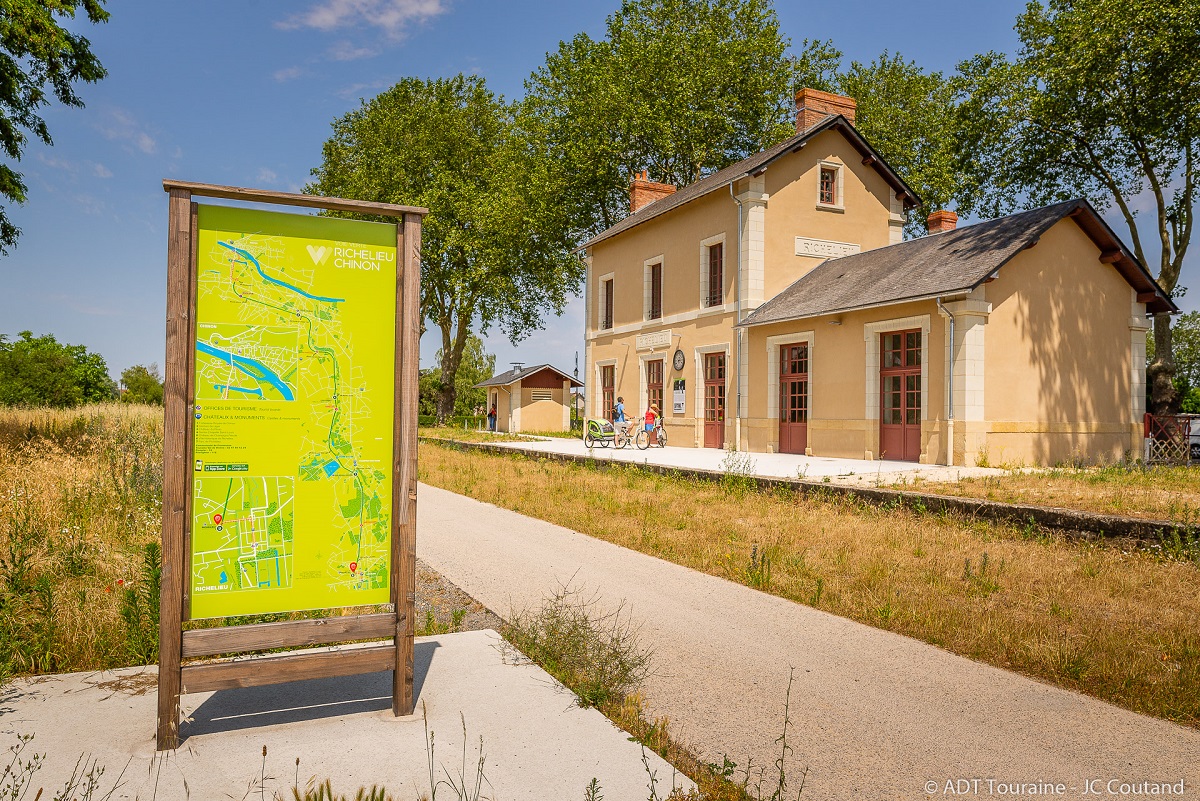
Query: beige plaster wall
point(542, 415)
point(792, 183)
point(1057, 370)
point(675, 236)
point(838, 422)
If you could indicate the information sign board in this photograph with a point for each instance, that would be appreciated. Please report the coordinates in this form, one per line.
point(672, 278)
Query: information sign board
point(294, 412)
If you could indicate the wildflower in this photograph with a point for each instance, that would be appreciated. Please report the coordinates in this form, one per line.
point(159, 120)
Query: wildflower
point(120, 582)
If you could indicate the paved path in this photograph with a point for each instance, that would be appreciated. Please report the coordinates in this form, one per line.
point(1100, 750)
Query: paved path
point(770, 465)
point(876, 715)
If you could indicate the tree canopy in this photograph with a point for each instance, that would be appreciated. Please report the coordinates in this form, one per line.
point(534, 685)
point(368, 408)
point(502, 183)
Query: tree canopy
point(142, 384)
point(906, 113)
point(41, 371)
point(681, 88)
point(38, 58)
point(495, 252)
point(1102, 101)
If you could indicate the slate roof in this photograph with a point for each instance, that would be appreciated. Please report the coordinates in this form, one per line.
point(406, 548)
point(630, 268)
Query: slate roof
point(943, 264)
point(754, 164)
point(514, 375)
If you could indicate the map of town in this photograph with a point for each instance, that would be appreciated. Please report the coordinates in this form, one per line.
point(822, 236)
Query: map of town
point(292, 377)
point(242, 533)
point(246, 362)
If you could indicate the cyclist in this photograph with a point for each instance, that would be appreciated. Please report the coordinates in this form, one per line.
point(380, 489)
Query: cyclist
point(652, 416)
point(619, 418)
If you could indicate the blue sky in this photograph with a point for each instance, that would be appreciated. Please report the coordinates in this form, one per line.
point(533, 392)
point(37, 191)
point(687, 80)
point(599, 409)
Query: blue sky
point(243, 92)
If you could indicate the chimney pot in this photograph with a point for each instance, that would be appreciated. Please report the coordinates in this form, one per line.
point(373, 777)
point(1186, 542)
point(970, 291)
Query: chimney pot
point(942, 221)
point(813, 105)
point(643, 191)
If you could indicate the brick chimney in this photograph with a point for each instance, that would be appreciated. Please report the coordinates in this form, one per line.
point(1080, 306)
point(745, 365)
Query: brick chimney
point(942, 221)
point(812, 106)
point(643, 191)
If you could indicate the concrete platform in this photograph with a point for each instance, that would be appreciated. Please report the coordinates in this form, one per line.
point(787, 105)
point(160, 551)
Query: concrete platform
point(537, 743)
point(768, 465)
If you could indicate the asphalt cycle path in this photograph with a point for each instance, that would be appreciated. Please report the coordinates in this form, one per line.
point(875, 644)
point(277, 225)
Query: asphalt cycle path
point(875, 715)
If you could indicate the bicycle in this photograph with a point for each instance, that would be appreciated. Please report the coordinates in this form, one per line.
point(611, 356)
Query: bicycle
point(642, 438)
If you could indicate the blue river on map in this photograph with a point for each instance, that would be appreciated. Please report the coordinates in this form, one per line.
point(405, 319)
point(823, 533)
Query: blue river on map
point(251, 367)
point(276, 281)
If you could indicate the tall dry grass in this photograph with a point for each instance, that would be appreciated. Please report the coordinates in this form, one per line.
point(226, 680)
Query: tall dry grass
point(1119, 625)
point(80, 501)
point(1156, 492)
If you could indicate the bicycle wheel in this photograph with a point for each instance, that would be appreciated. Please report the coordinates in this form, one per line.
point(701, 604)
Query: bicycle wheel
point(588, 440)
point(662, 437)
point(642, 439)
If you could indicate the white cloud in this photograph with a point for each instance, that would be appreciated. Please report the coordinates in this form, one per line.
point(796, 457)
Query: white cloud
point(390, 16)
point(120, 125)
point(348, 51)
point(287, 74)
point(100, 171)
point(266, 176)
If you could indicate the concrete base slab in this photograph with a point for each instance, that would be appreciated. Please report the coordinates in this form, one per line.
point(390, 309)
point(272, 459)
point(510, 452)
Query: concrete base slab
point(537, 744)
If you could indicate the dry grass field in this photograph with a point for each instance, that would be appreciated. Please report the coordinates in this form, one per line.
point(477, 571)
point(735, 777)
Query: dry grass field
point(1116, 624)
point(1157, 493)
point(80, 501)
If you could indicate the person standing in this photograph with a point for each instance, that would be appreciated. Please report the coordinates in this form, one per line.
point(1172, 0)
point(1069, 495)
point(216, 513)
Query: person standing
point(492, 417)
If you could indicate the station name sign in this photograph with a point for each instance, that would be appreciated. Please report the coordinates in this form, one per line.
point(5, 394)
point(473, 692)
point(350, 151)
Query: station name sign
point(824, 248)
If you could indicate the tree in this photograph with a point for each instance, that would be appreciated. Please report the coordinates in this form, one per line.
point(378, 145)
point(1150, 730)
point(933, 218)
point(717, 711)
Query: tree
point(681, 88)
point(494, 249)
point(37, 56)
point(1102, 101)
point(142, 385)
point(41, 371)
point(476, 366)
point(906, 114)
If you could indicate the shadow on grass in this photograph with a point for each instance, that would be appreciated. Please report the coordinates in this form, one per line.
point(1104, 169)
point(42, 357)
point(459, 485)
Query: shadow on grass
point(297, 701)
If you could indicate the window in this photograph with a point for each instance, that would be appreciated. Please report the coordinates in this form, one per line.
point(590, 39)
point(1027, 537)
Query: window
point(654, 384)
point(716, 275)
point(828, 192)
point(606, 304)
point(607, 390)
point(655, 291)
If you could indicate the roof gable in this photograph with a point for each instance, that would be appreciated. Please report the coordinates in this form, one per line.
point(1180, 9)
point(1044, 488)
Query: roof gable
point(518, 374)
point(753, 165)
point(947, 263)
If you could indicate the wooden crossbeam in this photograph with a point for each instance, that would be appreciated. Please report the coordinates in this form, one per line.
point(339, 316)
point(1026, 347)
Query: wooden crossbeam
point(1147, 297)
point(1110, 256)
point(287, 634)
point(258, 671)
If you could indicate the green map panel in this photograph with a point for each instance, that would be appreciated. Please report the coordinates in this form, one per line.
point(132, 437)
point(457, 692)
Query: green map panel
point(293, 423)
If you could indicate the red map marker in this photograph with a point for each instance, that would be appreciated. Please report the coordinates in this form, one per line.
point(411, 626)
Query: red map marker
point(354, 567)
point(217, 518)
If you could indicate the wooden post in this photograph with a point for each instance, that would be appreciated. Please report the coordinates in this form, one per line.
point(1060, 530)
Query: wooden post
point(176, 467)
point(404, 488)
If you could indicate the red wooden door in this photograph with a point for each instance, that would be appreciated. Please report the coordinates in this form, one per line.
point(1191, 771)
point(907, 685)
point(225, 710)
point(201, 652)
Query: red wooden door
point(793, 398)
point(654, 391)
point(714, 400)
point(900, 396)
point(607, 390)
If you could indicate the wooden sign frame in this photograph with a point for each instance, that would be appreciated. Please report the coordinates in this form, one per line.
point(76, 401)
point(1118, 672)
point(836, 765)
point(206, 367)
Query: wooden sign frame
point(175, 644)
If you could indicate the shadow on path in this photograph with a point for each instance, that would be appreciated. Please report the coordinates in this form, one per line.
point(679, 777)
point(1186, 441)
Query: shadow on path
point(297, 701)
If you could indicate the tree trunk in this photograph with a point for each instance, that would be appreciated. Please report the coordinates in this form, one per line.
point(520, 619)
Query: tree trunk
point(453, 343)
point(1160, 374)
